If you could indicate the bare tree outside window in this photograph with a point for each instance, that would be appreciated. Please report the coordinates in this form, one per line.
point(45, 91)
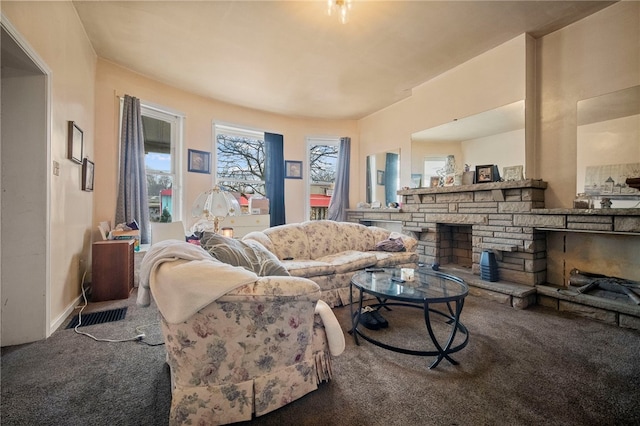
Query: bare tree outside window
point(240, 164)
point(323, 160)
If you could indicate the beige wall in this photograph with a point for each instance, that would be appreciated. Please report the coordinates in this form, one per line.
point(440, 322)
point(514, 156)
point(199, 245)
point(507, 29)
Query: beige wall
point(113, 81)
point(597, 55)
point(496, 78)
point(54, 32)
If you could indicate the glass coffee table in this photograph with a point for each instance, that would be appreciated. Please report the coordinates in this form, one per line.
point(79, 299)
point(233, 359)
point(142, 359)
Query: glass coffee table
point(427, 289)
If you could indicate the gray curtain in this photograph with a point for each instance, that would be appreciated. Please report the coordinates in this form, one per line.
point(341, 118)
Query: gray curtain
point(340, 200)
point(132, 185)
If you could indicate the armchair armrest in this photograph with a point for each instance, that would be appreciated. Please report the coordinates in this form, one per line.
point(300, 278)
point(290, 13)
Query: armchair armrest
point(275, 288)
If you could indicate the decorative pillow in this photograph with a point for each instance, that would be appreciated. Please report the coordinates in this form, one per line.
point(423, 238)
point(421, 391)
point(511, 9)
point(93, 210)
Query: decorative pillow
point(250, 255)
point(391, 244)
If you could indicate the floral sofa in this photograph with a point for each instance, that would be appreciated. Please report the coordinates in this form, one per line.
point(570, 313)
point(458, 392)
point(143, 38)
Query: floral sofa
point(237, 344)
point(330, 252)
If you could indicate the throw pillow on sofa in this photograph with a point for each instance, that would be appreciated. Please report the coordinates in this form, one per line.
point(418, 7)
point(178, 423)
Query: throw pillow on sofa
point(250, 255)
point(391, 244)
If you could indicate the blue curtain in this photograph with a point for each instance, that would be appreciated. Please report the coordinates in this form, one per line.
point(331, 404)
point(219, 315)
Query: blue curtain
point(274, 176)
point(340, 200)
point(391, 178)
point(132, 203)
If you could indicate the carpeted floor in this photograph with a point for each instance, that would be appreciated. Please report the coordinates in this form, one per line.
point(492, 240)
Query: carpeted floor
point(521, 367)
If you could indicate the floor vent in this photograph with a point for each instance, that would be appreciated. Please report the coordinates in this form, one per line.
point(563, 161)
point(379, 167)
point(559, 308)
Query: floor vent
point(99, 317)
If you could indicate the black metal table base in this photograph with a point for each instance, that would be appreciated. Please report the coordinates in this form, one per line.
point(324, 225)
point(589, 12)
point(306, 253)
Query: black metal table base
point(441, 352)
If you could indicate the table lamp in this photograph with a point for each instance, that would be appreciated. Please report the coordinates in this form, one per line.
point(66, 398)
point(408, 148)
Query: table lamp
point(212, 207)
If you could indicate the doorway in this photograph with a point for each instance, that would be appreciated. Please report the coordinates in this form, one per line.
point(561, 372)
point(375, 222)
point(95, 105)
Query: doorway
point(25, 196)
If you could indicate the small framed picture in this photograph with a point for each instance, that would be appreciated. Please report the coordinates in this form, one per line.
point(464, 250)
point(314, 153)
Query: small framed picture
point(512, 173)
point(199, 161)
point(87, 175)
point(416, 180)
point(468, 178)
point(380, 177)
point(293, 169)
point(75, 143)
point(485, 173)
point(449, 179)
point(434, 181)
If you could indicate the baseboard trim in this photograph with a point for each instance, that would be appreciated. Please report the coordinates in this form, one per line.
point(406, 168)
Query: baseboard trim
point(64, 315)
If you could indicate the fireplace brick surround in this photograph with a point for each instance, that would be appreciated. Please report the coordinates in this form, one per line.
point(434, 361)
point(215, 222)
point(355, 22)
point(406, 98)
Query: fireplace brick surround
point(493, 212)
point(510, 219)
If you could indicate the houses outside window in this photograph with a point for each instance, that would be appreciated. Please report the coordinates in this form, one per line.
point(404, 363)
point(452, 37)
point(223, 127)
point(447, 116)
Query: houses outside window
point(162, 140)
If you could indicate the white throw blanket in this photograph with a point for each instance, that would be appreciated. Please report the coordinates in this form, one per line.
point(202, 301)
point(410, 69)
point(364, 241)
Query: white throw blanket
point(190, 283)
point(335, 336)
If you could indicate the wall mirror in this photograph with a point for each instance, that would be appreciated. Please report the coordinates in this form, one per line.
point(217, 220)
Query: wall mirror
point(608, 147)
point(495, 137)
point(383, 178)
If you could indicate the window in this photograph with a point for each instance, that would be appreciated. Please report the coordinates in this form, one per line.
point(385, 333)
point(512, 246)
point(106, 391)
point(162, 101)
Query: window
point(162, 133)
point(322, 156)
point(433, 166)
point(240, 162)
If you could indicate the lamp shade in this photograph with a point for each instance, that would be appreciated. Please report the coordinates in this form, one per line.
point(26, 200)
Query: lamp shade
point(215, 205)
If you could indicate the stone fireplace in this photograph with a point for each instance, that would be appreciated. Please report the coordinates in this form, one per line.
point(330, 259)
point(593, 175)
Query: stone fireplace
point(455, 224)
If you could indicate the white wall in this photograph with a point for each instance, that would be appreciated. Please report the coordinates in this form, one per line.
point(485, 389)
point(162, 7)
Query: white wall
point(504, 150)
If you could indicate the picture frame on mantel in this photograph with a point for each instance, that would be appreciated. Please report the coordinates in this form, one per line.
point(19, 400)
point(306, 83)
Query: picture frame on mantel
point(513, 173)
point(487, 173)
point(75, 142)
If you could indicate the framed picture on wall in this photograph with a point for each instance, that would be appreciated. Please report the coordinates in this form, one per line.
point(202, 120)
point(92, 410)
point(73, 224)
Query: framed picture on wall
point(199, 161)
point(87, 175)
point(380, 177)
point(75, 143)
point(293, 169)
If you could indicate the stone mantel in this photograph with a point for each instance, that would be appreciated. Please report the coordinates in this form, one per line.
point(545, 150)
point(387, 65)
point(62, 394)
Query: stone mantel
point(589, 212)
point(526, 183)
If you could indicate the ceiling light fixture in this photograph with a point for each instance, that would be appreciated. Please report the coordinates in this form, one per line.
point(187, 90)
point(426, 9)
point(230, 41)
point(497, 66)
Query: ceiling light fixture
point(341, 7)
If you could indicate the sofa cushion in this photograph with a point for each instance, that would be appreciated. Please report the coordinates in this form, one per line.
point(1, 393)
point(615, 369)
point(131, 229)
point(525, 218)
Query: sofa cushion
point(308, 268)
point(250, 255)
point(386, 259)
point(289, 241)
point(350, 260)
point(322, 236)
point(353, 236)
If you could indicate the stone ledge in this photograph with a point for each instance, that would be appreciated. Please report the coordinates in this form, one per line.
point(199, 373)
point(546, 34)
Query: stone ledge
point(563, 293)
point(519, 296)
point(499, 247)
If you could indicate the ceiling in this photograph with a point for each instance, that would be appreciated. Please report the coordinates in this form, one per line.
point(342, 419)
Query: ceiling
point(289, 57)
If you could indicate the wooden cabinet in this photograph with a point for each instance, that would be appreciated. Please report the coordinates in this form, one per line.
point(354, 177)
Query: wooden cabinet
point(112, 270)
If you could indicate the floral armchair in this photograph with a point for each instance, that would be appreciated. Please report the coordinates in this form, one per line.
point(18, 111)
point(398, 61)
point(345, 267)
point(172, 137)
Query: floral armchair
point(253, 349)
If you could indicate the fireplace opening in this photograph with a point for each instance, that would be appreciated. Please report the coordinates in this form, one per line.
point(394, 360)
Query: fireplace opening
point(455, 245)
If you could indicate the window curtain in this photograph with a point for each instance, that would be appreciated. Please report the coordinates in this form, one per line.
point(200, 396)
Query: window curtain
point(391, 178)
point(132, 201)
point(274, 176)
point(340, 200)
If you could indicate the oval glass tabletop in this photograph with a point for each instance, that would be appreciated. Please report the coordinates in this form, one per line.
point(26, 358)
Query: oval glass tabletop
point(427, 285)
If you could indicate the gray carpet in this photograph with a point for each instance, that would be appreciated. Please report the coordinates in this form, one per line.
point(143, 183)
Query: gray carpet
point(521, 367)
